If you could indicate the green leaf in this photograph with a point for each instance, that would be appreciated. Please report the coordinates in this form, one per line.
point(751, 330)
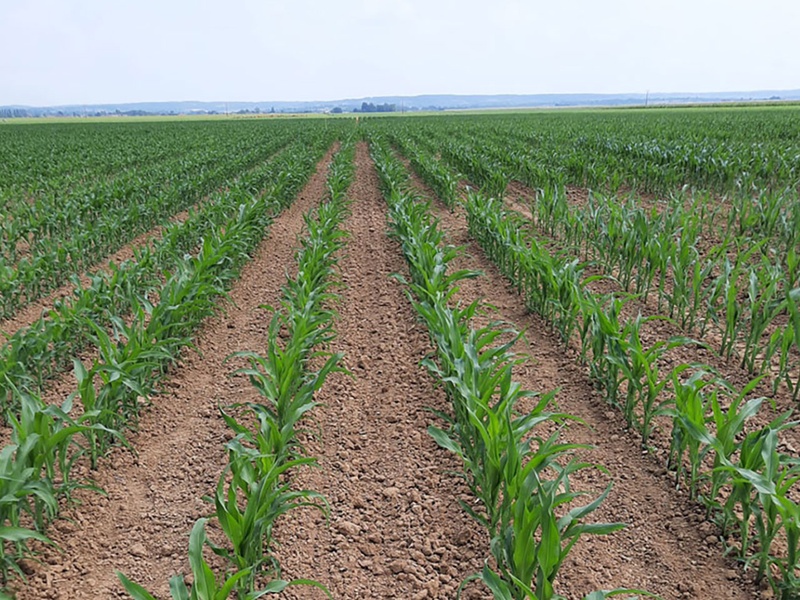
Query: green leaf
point(444, 440)
point(19, 534)
point(136, 591)
point(277, 586)
point(223, 593)
point(500, 589)
point(178, 589)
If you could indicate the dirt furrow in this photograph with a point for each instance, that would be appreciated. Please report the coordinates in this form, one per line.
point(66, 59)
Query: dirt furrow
point(396, 528)
point(667, 547)
point(141, 527)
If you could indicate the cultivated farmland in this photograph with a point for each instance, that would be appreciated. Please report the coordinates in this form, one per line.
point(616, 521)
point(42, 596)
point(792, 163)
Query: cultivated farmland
point(511, 356)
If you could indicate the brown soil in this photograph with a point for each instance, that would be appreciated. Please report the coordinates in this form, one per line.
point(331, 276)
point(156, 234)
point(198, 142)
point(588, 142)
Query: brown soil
point(141, 527)
point(396, 528)
point(667, 547)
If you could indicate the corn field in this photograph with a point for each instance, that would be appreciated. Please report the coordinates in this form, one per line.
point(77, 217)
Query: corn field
point(599, 324)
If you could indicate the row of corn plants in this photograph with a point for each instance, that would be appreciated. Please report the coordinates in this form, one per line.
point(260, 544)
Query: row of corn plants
point(52, 217)
point(736, 289)
point(724, 150)
point(771, 291)
point(520, 478)
point(254, 490)
point(742, 288)
point(134, 358)
point(745, 472)
point(51, 156)
point(55, 211)
point(493, 156)
point(36, 353)
point(438, 177)
point(69, 235)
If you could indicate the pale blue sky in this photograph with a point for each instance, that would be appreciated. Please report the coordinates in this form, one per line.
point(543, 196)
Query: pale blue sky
point(97, 51)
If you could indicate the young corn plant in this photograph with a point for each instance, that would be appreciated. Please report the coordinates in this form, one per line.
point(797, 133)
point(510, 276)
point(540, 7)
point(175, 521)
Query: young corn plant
point(602, 334)
point(533, 540)
point(690, 415)
point(775, 511)
point(765, 304)
point(726, 289)
point(56, 448)
point(761, 485)
point(729, 430)
point(280, 377)
point(265, 497)
point(790, 343)
point(639, 370)
point(22, 492)
point(206, 585)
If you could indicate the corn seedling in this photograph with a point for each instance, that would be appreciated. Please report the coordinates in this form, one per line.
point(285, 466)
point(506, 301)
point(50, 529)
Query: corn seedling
point(206, 585)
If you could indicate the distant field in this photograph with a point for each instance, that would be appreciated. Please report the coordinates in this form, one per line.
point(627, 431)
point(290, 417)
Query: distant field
point(155, 118)
point(116, 119)
point(651, 257)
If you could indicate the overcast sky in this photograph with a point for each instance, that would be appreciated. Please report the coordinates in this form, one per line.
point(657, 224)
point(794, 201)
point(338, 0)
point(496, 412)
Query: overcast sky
point(114, 51)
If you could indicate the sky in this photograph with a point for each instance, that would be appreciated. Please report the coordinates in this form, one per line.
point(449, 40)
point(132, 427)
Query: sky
point(114, 51)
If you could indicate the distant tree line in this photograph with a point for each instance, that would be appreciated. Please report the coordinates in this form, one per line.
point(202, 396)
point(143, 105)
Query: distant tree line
point(13, 113)
point(128, 113)
point(369, 107)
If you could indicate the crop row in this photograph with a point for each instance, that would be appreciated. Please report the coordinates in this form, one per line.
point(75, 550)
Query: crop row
point(48, 440)
point(42, 350)
point(66, 235)
point(748, 476)
point(518, 477)
point(493, 151)
point(745, 482)
point(39, 160)
point(253, 490)
point(722, 150)
point(744, 289)
point(736, 472)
